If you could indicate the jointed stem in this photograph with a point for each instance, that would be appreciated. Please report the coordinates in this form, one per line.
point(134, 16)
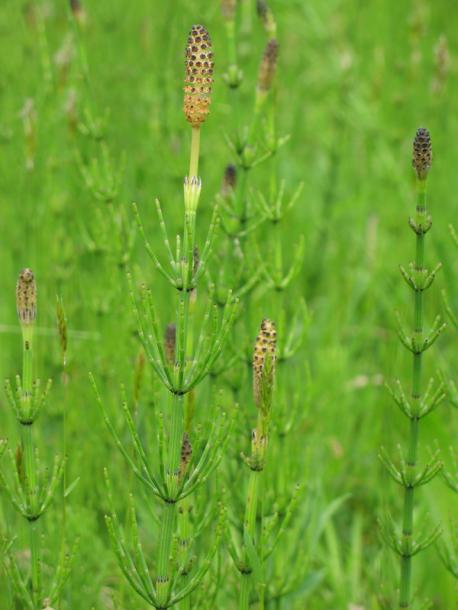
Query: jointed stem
point(177, 423)
point(30, 470)
point(249, 524)
point(184, 540)
point(241, 201)
point(165, 547)
point(170, 508)
point(407, 522)
point(249, 527)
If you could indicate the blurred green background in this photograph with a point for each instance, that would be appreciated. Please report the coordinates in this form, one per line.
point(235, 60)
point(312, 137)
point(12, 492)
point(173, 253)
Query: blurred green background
point(355, 80)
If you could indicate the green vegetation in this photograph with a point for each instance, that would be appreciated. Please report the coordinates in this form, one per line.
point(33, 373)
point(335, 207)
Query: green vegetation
point(219, 399)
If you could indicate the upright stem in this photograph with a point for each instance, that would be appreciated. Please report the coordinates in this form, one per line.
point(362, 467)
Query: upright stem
point(165, 547)
point(246, 17)
point(231, 43)
point(278, 251)
point(170, 508)
point(195, 147)
point(241, 201)
point(184, 540)
point(407, 522)
point(64, 474)
point(29, 460)
point(249, 527)
point(249, 524)
point(177, 410)
point(185, 508)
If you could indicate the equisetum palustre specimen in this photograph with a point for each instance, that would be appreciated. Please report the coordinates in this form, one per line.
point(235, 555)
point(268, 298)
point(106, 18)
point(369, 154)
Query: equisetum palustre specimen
point(187, 457)
point(28, 484)
point(410, 474)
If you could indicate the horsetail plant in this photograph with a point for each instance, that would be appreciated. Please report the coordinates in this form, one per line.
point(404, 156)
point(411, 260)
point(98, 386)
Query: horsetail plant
point(30, 488)
point(260, 535)
point(253, 217)
point(184, 462)
point(409, 475)
point(249, 556)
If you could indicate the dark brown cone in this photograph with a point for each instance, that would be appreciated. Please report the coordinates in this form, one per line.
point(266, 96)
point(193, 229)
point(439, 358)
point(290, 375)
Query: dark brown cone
point(422, 153)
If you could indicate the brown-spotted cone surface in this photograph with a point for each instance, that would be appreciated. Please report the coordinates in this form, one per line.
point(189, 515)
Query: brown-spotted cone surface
point(198, 76)
point(26, 297)
point(266, 343)
point(422, 153)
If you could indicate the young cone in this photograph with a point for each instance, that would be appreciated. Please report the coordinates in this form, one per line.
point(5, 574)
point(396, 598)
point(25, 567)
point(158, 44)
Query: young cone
point(26, 297)
point(264, 356)
point(422, 153)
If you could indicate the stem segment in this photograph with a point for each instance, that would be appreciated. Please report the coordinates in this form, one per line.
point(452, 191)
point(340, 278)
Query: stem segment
point(30, 469)
point(195, 147)
point(250, 529)
point(407, 521)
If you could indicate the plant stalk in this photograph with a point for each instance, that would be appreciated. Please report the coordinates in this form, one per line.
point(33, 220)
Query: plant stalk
point(249, 524)
point(195, 147)
point(30, 469)
point(407, 521)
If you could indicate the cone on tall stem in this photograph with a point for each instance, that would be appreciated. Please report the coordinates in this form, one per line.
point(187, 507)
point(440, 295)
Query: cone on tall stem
point(199, 66)
point(409, 475)
point(180, 364)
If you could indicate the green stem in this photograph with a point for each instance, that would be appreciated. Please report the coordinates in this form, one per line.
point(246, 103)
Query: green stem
point(177, 414)
point(241, 201)
point(184, 540)
point(170, 507)
point(407, 521)
point(64, 475)
point(185, 508)
point(195, 147)
point(165, 547)
point(244, 600)
point(251, 510)
point(249, 527)
point(278, 264)
point(231, 44)
point(30, 469)
point(272, 128)
point(246, 18)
